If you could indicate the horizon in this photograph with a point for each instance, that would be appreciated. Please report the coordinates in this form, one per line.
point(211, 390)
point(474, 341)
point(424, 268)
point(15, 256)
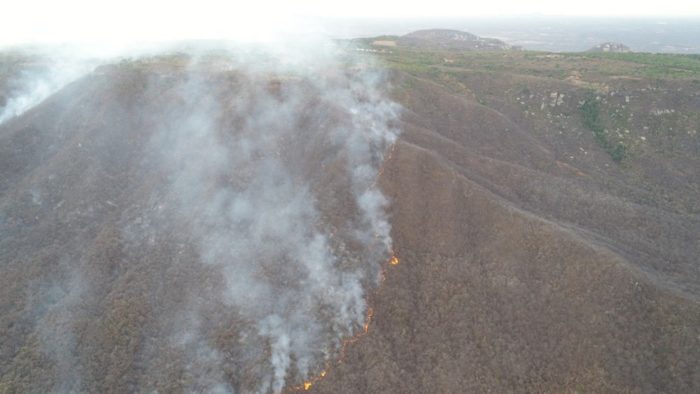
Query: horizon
point(80, 21)
point(538, 32)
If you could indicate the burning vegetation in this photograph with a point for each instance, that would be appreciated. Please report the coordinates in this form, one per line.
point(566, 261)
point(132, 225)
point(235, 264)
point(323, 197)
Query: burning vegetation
point(216, 156)
point(393, 261)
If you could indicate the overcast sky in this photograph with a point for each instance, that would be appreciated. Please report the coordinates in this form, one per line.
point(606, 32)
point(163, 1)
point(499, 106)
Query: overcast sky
point(23, 21)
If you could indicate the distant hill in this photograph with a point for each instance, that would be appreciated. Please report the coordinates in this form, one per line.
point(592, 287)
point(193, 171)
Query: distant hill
point(443, 38)
point(615, 47)
point(451, 39)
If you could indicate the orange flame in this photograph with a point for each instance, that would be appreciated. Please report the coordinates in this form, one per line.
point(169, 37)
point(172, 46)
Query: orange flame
point(309, 383)
point(394, 260)
point(368, 319)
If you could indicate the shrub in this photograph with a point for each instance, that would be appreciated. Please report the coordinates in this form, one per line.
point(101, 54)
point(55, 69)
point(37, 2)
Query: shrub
point(590, 112)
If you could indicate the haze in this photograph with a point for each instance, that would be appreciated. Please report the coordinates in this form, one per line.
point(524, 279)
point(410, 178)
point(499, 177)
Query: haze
point(41, 21)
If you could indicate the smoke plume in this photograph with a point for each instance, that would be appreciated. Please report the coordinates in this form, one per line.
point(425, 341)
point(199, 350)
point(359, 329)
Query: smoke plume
point(272, 166)
point(46, 73)
point(230, 221)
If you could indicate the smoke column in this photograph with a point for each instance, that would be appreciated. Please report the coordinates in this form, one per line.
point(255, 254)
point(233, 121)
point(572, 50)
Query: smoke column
point(207, 214)
point(272, 162)
point(49, 72)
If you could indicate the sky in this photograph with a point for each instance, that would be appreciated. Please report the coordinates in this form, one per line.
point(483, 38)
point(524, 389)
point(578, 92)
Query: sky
point(38, 21)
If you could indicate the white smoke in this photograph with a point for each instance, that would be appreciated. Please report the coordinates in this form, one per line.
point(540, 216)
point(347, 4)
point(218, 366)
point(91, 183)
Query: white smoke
point(260, 156)
point(44, 74)
point(56, 328)
point(271, 156)
point(44, 70)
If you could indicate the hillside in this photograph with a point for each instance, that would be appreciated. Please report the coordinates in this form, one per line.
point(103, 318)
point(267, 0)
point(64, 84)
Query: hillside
point(532, 260)
point(543, 209)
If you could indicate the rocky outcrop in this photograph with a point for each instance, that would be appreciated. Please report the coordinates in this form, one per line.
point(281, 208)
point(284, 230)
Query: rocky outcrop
point(612, 47)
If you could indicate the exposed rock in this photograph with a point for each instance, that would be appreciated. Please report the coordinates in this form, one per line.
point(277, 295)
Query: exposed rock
point(613, 47)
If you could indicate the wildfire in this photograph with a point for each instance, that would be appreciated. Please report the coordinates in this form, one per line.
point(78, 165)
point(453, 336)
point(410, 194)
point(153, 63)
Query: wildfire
point(393, 261)
point(381, 169)
point(306, 386)
point(370, 313)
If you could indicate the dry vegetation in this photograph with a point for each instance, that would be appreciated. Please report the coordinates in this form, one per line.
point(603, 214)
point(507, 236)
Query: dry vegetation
point(534, 257)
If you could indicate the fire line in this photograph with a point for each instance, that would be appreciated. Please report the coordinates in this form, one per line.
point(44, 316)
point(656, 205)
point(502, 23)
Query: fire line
point(393, 261)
